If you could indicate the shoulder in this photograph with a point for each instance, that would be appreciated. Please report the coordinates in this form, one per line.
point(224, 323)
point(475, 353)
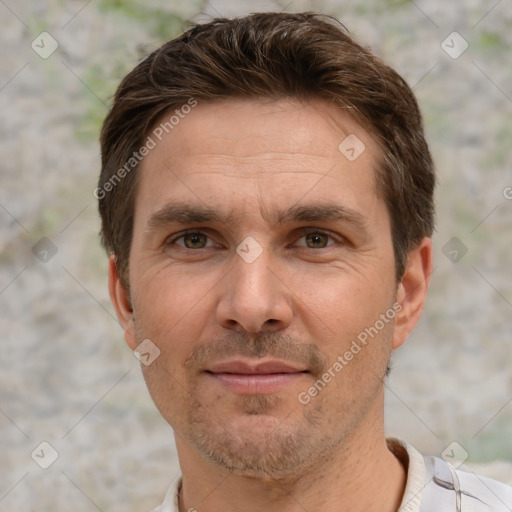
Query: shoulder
point(433, 485)
point(471, 491)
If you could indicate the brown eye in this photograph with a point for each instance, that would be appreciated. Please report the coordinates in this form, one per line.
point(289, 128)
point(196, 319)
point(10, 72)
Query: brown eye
point(194, 240)
point(317, 240)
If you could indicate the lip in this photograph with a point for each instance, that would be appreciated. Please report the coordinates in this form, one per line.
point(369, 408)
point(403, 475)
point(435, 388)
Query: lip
point(254, 367)
point(247, 377)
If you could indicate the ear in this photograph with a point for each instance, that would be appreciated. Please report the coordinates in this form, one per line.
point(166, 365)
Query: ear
point(412, 290)
point(121, 302)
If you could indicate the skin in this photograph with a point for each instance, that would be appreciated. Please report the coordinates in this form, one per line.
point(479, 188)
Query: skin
point(303, 300)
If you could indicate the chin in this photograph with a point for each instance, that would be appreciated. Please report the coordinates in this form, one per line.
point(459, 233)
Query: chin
point(257, 444)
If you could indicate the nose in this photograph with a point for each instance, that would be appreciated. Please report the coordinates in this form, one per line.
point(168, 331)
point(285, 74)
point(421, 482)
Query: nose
point(254, 297)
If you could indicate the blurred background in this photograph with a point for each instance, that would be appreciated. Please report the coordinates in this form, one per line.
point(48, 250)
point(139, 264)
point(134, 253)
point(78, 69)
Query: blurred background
point(66, 376)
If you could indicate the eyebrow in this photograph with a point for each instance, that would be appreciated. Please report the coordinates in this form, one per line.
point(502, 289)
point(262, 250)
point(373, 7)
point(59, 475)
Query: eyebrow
point(182, 213)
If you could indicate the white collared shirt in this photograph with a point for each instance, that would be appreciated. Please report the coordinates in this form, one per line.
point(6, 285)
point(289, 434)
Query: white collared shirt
point(432, 485)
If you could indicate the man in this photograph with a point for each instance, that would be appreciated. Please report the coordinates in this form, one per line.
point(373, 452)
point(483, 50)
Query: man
point(267, 201)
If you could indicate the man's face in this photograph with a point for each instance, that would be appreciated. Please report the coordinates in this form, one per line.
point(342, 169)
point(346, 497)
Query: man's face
point(250, 310)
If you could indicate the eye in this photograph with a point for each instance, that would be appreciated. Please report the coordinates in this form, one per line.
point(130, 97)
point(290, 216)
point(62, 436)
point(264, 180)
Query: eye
point(192, 240)
point(316, 239)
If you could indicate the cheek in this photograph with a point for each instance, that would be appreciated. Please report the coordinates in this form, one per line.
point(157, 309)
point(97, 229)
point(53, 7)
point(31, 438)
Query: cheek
point(173, 322)
point(347, 319)
point(166, 299)
point(357, 366)
point(344, 303)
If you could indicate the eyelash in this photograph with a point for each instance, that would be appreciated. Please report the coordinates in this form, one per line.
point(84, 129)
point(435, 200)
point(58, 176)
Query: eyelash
point(303, 232)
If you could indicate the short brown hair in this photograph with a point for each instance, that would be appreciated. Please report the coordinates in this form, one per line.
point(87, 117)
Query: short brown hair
point(270, 55)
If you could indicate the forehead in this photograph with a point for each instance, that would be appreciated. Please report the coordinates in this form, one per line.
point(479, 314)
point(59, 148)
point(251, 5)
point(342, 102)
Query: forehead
point(250, 126)
point(235, 153)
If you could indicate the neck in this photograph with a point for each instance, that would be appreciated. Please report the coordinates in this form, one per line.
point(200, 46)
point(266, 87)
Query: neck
point(359, 474)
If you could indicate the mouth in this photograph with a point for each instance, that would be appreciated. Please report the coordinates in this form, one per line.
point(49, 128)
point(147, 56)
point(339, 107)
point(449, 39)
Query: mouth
point(250, 377)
